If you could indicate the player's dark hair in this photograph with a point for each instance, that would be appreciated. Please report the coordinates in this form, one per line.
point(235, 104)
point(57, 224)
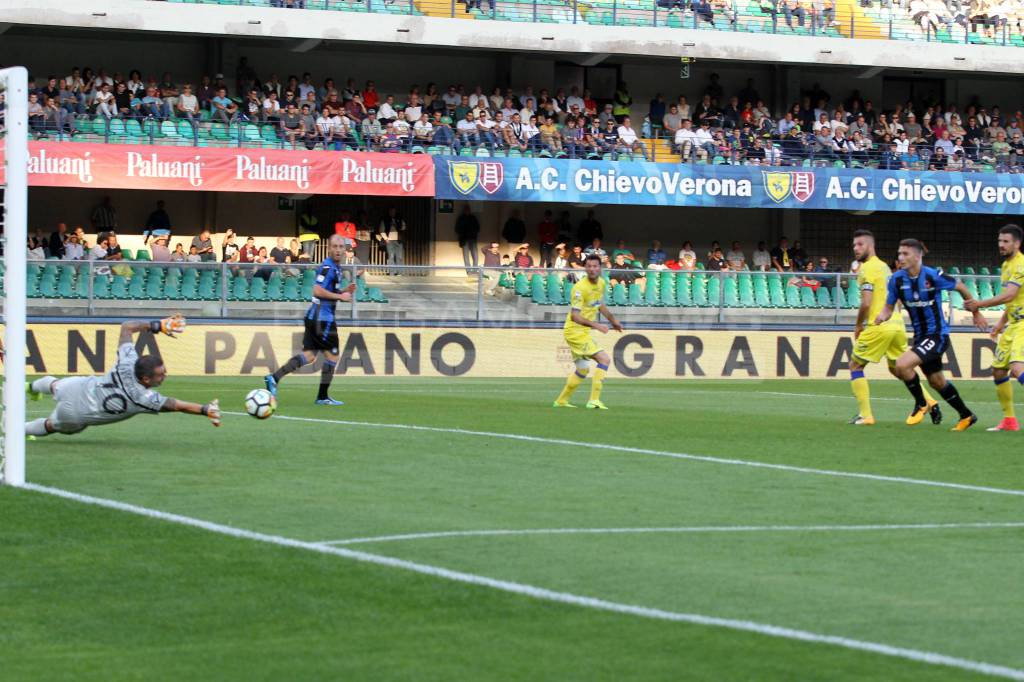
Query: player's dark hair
point(864, 233)
point(146, 366)
point(915, 244)
point(591, 257)
point(1014, 231)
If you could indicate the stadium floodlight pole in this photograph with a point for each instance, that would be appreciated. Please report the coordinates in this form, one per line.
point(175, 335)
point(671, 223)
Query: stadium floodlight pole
point(16, 236)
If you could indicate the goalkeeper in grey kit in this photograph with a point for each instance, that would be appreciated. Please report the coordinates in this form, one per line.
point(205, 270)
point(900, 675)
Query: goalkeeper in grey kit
point(127, 390)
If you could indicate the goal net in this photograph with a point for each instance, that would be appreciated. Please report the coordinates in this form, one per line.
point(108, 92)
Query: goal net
point(13, 209)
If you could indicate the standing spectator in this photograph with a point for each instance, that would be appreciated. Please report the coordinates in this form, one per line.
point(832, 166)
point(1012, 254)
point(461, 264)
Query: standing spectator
point(800, 258)
point(523, 259)
point(104, 217)
point(158, 224)
point(547, 235)
point(56, 243)
point(514, 231)
point(467, 227)
point(364, 236)
point(391, 232)
point(735, 257)
point(161, 254)
point(761, 259)
point(621, 102)
point(203, 245)
point(346, 229)
point(590, 228)
point(782, 260)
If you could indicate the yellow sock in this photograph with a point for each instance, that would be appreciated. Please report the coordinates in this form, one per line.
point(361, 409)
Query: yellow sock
point(571, 384)
point(1004, 390)
point(927, 396)
point(597, 382)
point(862, 393)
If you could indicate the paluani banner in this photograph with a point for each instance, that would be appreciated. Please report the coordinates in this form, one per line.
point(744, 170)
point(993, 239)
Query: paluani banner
point(663, 184)
point(243, 350)
point(120, 166)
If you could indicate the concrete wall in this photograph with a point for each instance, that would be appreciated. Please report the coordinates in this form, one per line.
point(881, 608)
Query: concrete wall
point(547, 39)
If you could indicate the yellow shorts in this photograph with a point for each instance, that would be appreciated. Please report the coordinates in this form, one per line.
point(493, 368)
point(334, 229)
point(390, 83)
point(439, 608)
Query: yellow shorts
point(1010, 348)
point(875, 342)
point(581, 345)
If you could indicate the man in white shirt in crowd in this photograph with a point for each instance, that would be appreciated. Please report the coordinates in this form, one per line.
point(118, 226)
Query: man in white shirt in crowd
point(451, 98)
point(627, 136)
point(387, 113)
point(271, 108)
point(423, 130)
point(704, 139)
point(188, 104)
point(485, 130)
point(467, 130)
point(413, 109)
point(762, 259)
point(685, 141)
point(574, 98)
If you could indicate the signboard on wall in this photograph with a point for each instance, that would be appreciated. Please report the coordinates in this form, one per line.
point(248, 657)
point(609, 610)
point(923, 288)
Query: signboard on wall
point(662, 184)
point(121, 166)
point(244, 350)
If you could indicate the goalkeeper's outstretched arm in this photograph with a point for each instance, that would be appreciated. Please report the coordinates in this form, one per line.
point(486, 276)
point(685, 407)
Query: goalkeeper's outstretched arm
point(175, 324)
point(210, 410)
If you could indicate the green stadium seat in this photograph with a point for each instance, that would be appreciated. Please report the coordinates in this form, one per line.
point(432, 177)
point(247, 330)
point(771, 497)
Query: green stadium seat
point(119, 287)
point(290, 291)
point(142, 254)
point(619, 295)
point(651, 293)
point(554, 289)
point(793, 297)
point(731, 293)
point(100, 286)
point(823, 297)
point(275, 287)
point(838, 298)
point(698, 291)
point(137, 286)
point(377, 295)
point(239, 289)
point(668, 290)
point(306, 291)
point(258, 289)
point(635, 296)
point(538, 292)
point(522, 285)
point(714, 291)
point(853, 296)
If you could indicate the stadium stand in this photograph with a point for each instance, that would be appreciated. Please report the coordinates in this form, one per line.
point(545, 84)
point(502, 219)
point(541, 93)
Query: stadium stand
point(976, 22)
point(716, 129)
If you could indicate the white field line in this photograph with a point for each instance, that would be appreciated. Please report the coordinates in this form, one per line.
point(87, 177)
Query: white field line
point(675, 529)
point(541, 593)
point(656, 453)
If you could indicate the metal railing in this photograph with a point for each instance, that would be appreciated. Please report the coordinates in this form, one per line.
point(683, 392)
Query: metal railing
point(454, 293)
point(886, 20)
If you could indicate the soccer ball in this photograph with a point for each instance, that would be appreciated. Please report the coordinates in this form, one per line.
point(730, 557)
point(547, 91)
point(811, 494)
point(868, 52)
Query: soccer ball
point(260, 403)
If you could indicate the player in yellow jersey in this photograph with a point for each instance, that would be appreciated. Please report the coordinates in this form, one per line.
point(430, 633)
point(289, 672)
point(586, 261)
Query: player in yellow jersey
point(873, 341)
point(1009, 330)
point(586, 302)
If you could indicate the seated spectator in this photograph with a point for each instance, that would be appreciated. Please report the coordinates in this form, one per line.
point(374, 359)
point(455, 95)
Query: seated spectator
point(193, 255)
point(735, 257)
point(576, 261)
point(279, 255)
point(222, 108)
point(939, 160)
point(626, 273)
point(761, 259)
point(228, 248)
point(523, 259)
point(716, 261)
point(179, 255)
point(656, 256)
point(804, 278)
point(36, 250)
point(629, 140)
point(715, 246)
point(672, 121)
point(161, 254)
point(203, 245)
point(824, 272)
point(687, 257)
point(620, 247)
point(291, 125)
point(249, 251)
point(73, 249)
point(595, 249)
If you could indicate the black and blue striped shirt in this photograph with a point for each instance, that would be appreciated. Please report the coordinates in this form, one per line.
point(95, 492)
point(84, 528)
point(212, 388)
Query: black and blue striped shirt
point(922, 297)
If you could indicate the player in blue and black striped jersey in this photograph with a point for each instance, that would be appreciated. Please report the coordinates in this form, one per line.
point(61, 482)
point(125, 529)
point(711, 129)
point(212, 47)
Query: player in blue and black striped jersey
point(919, 288)
point(321, 335)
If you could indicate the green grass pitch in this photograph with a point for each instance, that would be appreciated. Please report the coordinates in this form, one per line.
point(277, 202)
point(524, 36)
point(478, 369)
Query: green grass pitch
point(93, 593)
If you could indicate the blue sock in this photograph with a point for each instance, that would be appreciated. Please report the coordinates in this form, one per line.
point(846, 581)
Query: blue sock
point(856, 374)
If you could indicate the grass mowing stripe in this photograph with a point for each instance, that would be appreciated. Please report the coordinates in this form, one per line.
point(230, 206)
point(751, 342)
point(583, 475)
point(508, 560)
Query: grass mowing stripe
point(678, 529)
point(540, 593)
point(658, 453)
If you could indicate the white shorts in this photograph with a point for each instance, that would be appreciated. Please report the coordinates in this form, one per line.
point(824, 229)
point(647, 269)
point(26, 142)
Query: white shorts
point(74, 408)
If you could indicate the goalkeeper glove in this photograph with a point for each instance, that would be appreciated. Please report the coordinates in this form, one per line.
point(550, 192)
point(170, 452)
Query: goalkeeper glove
point(212, 411)
point(175, 324)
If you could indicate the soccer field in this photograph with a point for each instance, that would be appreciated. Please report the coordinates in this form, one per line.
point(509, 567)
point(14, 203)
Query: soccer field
point(463, 529)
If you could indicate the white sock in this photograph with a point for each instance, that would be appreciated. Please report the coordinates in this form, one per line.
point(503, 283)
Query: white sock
point(36, 427)
point(44, 385)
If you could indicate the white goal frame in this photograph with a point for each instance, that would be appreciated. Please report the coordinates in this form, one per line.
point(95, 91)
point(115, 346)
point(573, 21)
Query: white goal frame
point(15, 217)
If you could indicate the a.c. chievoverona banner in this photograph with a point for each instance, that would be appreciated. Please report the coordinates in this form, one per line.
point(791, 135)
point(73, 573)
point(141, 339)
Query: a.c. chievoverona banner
point(117, 166)
point(661, 184)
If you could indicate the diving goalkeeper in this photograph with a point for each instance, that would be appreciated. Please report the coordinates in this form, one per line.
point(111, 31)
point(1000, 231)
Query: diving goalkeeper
point(127, 390)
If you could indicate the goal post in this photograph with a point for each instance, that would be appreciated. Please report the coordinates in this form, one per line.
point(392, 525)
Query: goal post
point(14, 216)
